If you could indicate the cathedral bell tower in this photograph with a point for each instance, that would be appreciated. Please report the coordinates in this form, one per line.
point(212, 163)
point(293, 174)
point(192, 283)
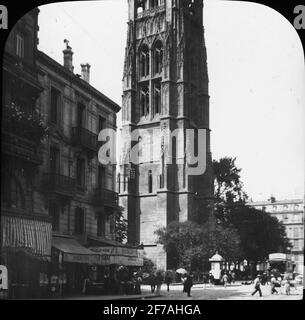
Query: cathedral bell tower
point(165, 90)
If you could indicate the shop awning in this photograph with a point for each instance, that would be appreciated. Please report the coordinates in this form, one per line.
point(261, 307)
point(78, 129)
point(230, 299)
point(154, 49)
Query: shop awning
point(31, 235)
point(74, 252)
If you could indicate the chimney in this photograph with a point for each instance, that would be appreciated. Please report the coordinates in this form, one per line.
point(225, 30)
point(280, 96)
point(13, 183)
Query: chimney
point(68, 53)
point(85, 71)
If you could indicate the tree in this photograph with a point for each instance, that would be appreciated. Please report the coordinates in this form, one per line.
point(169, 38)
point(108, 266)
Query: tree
point(227, 184)
point(190, 245)
point(259, 232)
point(121, 226)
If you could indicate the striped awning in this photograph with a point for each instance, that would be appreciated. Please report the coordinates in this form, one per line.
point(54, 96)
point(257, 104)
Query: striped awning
point(34, 236)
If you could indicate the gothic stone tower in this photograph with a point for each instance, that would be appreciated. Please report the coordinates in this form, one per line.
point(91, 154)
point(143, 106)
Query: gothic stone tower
point(165, 87)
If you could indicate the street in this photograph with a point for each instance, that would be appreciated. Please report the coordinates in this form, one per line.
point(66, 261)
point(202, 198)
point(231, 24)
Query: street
point(232, 292)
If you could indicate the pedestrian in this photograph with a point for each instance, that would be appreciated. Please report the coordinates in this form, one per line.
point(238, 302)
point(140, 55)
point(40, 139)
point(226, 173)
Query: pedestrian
point(257, 286)
point(168, 280)
point(152, 282)
point(211, 279)
point(188, 283)
point(225, 280)
point(233, 277)
point(273, 284)
point(137, 283)
point(287, 286)
point(158, 281)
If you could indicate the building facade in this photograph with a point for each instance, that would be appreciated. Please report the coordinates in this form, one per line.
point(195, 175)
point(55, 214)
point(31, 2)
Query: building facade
point(291, 214)
point(26, 227)
point(165, 88)
point(59, 203)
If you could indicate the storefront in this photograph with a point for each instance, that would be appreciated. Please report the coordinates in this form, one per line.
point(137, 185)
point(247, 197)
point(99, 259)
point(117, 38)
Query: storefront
point(117, 265)
point(26, 252)
point(72, 265)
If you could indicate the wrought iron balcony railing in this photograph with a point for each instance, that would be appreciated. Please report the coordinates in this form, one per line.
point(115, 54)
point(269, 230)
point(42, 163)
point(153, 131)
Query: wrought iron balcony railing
point(60, 184)
point(84, 138)
point(20, 147)
point(102, 196)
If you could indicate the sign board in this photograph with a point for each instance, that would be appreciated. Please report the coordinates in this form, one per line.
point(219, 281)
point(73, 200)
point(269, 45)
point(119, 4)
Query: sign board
point(116, 251)
point(81, 258)
point(118, 255)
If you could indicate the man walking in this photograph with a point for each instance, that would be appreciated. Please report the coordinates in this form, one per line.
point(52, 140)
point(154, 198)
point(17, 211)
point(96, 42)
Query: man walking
point(257, 286)
point(168, 280)
point(273, 284)
point(188, 285)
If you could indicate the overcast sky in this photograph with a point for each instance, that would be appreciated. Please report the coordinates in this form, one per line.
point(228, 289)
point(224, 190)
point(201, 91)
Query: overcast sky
point(256, 72)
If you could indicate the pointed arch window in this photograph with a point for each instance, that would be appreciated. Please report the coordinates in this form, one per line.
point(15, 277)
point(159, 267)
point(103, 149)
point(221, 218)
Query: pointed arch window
point(144, 100)
point(157, 97)
point(144, 61)
point(150, 182)
point(158, 57)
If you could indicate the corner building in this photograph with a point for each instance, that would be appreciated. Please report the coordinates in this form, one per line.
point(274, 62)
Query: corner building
point(165, 87)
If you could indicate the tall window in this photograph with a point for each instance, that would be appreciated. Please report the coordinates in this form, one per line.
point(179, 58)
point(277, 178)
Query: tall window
point(12, 193)
point(101, 123)
point(80, 172)
point(79, 221)
point(144, 100)
point(157, 97)
point(150, 182)
point(144, 61)
point(154, 3)
point(101, 225)
point(80, 115)
point(54, 160)
point(54, 212)
point(55, 100)
point(158, 57)
point(101, 176)
point(20, 45)
point(140, 147)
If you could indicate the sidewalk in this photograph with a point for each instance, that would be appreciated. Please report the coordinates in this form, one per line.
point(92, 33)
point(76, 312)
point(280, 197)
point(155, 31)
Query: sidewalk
point(146, 294)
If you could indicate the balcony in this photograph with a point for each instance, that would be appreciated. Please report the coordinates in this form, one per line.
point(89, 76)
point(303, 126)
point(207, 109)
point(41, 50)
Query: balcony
point(59, 184)
point(20, 147)
point(85, 138)
point(105, 197)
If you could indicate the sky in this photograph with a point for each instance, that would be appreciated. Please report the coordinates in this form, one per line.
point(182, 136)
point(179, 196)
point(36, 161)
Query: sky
point(256, 72)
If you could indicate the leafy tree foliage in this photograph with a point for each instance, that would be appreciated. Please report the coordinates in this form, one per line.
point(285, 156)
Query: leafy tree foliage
point(259, 232)
point(190, 245)
point(121, 226)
